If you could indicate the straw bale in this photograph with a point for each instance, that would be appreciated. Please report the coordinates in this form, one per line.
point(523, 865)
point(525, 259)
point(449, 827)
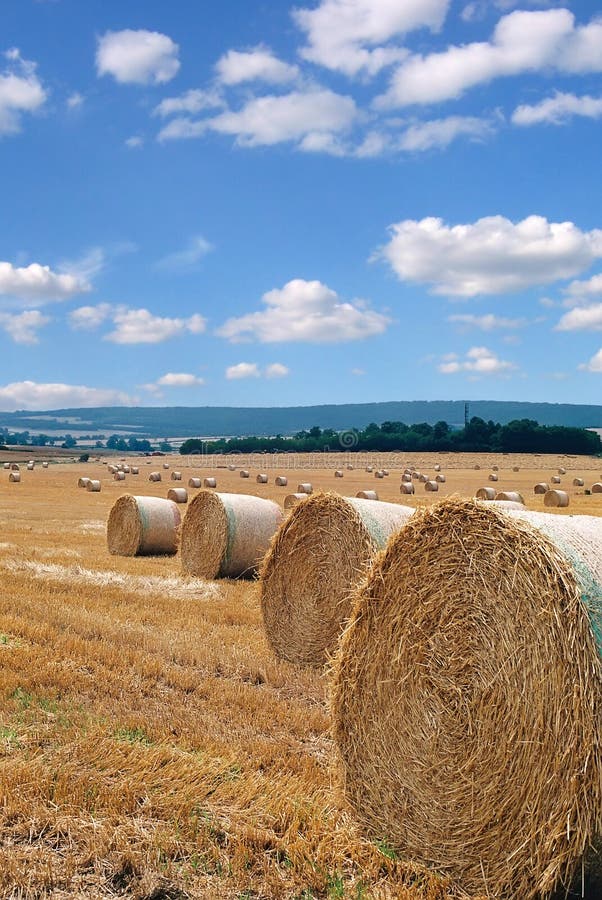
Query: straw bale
point(367, 495)
point(134, 470)
point(515, 469)
point(209, 482)
point(7, 465)
point(126, 469)
point(385, 472)
point(485, 493)
point(423, 478)
point(244, 473)
point(406, 487)
point(112, 469)
point(406, 478)
point(143, 526)
point(561, 471)
point(83, 482)
point(338, 473)
point(541, 487)
point(231, 468)
point(578, 482)
point(369, 469)
point(194, 482)
point(494, 476)
point(292, 500)
point(176, 476)
point(597, 487)
point(514, 496)
point(305, 488)
point(14, 467)
point(262, 478)
point(178, 495)
point(349, 467)
point(440, 478)
point(166, 465)
point(555, 479)
point(477, 466)
point(30, 467)
point(379, 474)
point(315, 559)
point(281, 481)
point(154, 476)
point(495, 468)
point(93, 486)
point(556, 498)
point(227, 535)
point(416, 475)
point(437, 467)
point(14, 476)
point(467, 697)
point(431, 485)
point(119, 476)
point(44, 465)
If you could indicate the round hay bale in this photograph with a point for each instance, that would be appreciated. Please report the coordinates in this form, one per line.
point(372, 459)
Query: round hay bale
point(515, 469)
point(416, 475)
point(244, 473)
point(143, 526)
point(134, 470)
point(423, 478)
point(262, 478)
point(126, 469)
point(154, 476)
point(406, 487)
point(469, 672)
point(30, 467)
point(305, 488)
point(349, 467)
point(315, 559)
point(44, 465)
point(6, 465)
point(178, 495)
point(83, 482)
point(406, 478)
point(431, 485)
point(367, 495)
point(112, 469)
point(379, 474)
point(194, 482)
point(93, 486)
point(231, 468)
point(485, 493)
point(281, 481)
point(176, 476)
point(477, 467)
point(369, 469)
point(226, 535)
point(385, 472)
point(14, 477)
point(291, 500)
point(495, 468)
point(494, 476)
point(166, 465)
point(437, 467)
point(119, 476)
point(209, 482)
point(561, 471)
point(338, 473)
point(578, 482)
point(555, 479)
point(556, 498)
point(541, 487)
point(513, 496)
point(440, 478)
point(597, 487)
point(14, 467)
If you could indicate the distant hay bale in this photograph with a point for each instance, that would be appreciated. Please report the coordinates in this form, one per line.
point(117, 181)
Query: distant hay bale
point(561, 471)
point(485, 493)
point(134, 470)
point(154, 476)
point(597, 487)
point(291, 500)
point(227, 535)
point(367, 495)
point(477, 466)
point(93, 486)
point(495, 468)
point(30, 467)
point(406, 478)
point(385, 472)
point(330, 540)
point(244, 473)
point(416, 475)
point(423, 478)
point(143, 526)
point(513, 496)
point(231, 468)
point(515, 469)
point(176, 476)
point(305, 488)
point(119, 476)
point(406, 487)
point(349, 467)
point(338, 473)
point(178, 495)
point(437, 467)
point(470, 668)
point(126, 469)
point(541, 488)
point(431, 485)
point(281, 481)
point(369, 469)
point(578, 482)
point(166, 465)
point(556, 498)
point(555, 479)
point(112, 469)
point(494, 476)
point(83, 482)
point(194, 482)
point(44, 465)
point(14, 477)
point(209, 482)
point(440, 478)
point(379, 474)
point(14, 467)
point(262, 478)
point(6, 465)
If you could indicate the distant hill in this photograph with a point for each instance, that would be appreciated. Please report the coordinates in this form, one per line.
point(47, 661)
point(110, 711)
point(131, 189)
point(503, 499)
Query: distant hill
point(220, 421)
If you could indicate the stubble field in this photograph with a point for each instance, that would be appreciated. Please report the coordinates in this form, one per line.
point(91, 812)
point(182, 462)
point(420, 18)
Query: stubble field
point(150, 744)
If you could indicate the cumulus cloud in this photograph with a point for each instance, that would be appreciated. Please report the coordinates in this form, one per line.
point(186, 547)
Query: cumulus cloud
point(558, 109)
point(582, 318)
point(75, 100)
point(272, 119)
point(242, 370)
point(139, 326)
point(491, 256)
point(442, 132)
point(39, 396)
point(134, 142)
point(276, 370)
point(39, 283)
point(595, 363)
point(20, 91)
point(189, 103)
point(258, 64)
point(522, 41)
point(188, 258)
point(352, 36)
point(87, 318)
point(137, 57)
point(306, 311)
point(577, 291)
point(23, 328)
point(478, 361)
point(487, 322)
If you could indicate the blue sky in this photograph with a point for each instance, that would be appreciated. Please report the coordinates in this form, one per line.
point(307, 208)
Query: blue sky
point(251, 203)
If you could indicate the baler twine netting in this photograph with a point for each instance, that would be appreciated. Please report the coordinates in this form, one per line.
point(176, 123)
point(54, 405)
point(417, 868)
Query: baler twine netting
point(143, 526)
point(227, 535)
point(467, 696)
point(315, 560)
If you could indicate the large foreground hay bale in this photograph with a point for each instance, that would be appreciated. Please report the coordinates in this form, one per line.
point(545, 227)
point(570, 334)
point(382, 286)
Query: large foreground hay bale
point(315, 559)
point(178, 495)
point(143, 526)
point(227, 535)
point(556, 498)
point(467, 697)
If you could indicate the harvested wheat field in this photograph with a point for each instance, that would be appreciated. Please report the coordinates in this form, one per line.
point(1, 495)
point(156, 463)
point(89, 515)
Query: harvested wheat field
point(152, 745)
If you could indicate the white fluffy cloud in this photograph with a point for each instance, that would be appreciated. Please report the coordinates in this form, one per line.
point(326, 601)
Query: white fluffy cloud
point(137, 57)
point(20, 91)
point(351, 36)
point(33, 395)
point(276, 370)
point(558, 109)
point(39, 283)
point(441, 132)
point(139, 326)
point(23, 328)
point(582, 318)
point(577, 291)
point(487, 322)
point(189, 103)
point(86, 318)
point(179, 379)
point(491, 256)
point(242, 370)
point(522, 41)
point(258, 64)
point(188, 258)
point(478, 361)
point(595, 363)
point(306, 311)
